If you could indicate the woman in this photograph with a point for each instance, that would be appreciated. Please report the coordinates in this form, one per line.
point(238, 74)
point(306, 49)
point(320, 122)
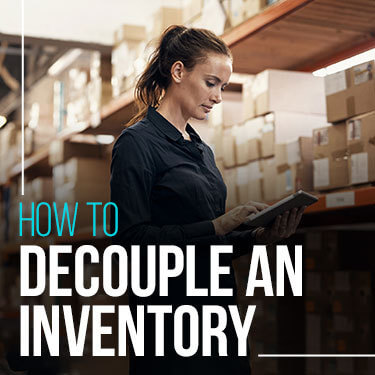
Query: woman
point(169, 191)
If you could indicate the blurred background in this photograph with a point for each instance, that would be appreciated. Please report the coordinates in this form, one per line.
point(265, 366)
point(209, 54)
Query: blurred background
point(298, 114)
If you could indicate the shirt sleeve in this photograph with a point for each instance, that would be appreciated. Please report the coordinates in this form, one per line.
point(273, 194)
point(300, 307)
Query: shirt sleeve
point(133, 173)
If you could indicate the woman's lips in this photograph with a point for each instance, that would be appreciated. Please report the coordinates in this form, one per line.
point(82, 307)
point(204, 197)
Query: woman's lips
point(207, 108)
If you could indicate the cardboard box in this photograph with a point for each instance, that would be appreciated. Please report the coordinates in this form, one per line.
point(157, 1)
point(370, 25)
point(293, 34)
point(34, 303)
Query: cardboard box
point(58, 175)
point(130, 32)
point(248, 100)
point(249, 182)
point(241, 144)
point(269, 185)
point(87, 170)
point(77, 112)
point(29, 142)
point(101, 66)
point(230, 179)
point(253, 7)
point(294, 166)
point(220, 166)
point(82, 193)
point(361, 148)
point(215, 117)
point(77, 83)
point(232, 108)
point(248, 140)
point(228, 141)
point(167, 16)
point(255, 182)
point(267, 147)
point(350, 92)
point(330, 164)
point(236, 12)
point(285, 181)
point(99, 93)
point(242, 184)
point(42, 188)
point(281, 127)
point(60, 151)
point(213, 17)
point(217, 142)
point(128, 60)
point(282, 90)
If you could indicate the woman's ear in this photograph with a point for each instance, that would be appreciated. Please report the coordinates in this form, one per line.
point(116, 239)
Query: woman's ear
point(177, 71)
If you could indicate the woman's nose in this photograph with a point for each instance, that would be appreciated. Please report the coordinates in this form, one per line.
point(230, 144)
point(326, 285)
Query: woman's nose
point(217, 97)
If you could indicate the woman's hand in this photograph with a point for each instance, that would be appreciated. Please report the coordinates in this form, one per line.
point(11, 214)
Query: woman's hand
point(235, 217)
point(284, 226)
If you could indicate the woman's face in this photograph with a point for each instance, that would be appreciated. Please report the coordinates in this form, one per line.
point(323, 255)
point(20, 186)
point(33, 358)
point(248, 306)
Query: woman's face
point(201, 88)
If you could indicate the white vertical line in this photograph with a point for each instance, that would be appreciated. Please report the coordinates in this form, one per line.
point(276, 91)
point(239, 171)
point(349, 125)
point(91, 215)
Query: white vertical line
point(23, 96)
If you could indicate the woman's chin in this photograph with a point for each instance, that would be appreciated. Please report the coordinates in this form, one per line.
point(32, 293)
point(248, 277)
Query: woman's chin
point(200, 116)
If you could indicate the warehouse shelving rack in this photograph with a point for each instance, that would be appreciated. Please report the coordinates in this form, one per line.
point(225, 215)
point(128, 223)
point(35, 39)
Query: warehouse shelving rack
point(302, 34)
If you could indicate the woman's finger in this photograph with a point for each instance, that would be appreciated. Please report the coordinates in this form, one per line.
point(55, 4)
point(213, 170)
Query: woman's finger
point(299, 216)
point(283, 224)
point(275, 226)
point(291, 223)
point(260, 206)
point(243, 212)
point(251, 209)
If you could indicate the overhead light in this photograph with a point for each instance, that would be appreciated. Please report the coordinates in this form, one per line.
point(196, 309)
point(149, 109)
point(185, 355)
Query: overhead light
point(105, 139)
point(63, 62)
point(346, 64)
point(3, 121)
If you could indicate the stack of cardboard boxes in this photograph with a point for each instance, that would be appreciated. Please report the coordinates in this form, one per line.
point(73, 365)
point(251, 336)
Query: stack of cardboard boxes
point(339, 306)
point(133, 44)
point(8, 151)
point(127, 57)
point(345, 153)
point(80, 174)
point(263, 337)
point(263, 137)
point(240, 10)
point(80, 90)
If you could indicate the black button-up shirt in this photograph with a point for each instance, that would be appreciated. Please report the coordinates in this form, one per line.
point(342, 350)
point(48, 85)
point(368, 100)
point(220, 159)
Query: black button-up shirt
point(168, 190)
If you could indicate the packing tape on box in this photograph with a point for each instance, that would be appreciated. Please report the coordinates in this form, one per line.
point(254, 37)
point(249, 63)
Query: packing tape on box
point(318, 156)
point(282, 168)
point(350, 105)
point(339, 154)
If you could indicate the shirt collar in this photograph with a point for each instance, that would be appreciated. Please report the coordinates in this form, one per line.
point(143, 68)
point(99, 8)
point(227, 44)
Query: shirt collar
point(169, 129)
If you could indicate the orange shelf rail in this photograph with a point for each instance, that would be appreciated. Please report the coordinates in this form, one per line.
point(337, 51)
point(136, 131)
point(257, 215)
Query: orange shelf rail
point(364, 196)
point(270, 15)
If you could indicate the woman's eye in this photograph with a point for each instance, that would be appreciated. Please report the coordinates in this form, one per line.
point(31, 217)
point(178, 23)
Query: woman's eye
point(223, 88)
point(210, 84)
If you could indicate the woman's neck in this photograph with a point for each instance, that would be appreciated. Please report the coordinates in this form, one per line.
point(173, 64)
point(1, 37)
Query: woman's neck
point(169, 109)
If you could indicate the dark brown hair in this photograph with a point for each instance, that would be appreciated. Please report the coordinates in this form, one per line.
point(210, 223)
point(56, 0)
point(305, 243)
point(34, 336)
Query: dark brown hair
point(177, 43)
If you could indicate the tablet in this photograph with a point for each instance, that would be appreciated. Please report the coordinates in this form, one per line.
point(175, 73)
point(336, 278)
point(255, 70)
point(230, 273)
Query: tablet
point(266, 216)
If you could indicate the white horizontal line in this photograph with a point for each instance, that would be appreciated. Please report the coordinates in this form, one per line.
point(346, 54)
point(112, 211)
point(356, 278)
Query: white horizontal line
point(315, 355)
